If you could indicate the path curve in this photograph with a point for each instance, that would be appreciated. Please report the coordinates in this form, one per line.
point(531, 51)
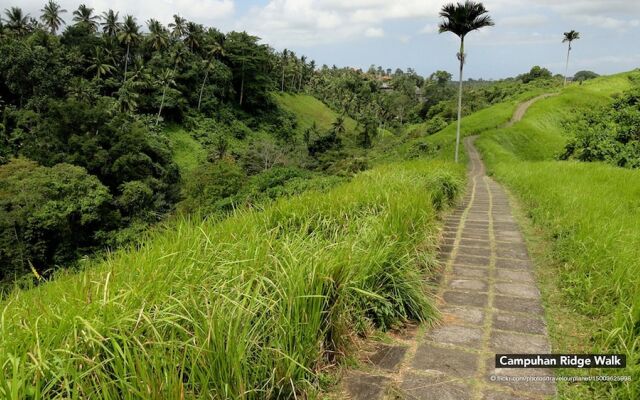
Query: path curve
point(490, 304)
point(522, 108)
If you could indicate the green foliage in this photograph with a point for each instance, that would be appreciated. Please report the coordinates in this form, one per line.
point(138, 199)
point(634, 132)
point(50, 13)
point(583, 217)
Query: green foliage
point(611, 134)
point(209, 187)
point(536, 72)
point(587, 212)
point(582, 76)
point(47, 215)
point(252, 307)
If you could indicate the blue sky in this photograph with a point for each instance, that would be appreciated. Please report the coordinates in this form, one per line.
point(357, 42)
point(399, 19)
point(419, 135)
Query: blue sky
point(403, 33)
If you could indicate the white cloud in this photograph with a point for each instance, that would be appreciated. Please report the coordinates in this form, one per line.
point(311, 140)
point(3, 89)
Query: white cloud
point(611, 23)
point(374, 32)
point(522, 21)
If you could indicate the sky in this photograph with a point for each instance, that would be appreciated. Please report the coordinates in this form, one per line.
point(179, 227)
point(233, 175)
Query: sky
point(403, 33)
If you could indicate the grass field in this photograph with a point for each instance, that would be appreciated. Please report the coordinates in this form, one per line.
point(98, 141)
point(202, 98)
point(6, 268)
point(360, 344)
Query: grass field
point(187, 152)
point(589, 215)
point(252, 307)
point(308, 110)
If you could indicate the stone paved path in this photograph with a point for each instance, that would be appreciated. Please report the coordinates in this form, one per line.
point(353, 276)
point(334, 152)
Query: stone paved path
point(490, 304)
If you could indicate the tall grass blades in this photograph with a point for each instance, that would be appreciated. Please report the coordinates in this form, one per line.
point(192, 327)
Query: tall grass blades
point(247, 308)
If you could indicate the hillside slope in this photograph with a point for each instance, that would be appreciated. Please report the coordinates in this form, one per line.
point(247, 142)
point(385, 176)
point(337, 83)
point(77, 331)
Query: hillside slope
point(588, 215)
point(308, 110)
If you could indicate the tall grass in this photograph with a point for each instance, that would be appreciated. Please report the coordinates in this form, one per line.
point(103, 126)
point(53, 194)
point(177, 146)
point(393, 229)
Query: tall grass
point(248, 308)
point(589, 213)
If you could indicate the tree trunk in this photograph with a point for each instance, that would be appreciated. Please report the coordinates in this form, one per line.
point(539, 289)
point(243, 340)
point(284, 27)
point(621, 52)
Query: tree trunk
point(461, 57)
point(242, 87)
point(164, 91)
point(126, 63)
point(206, 75)
point(566, 68)
point(282, 84)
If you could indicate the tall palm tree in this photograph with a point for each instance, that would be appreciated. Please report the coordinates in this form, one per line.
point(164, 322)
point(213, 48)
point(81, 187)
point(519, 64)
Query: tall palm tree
point(213, 50)
point(285, 55)
point(193, 35)
point(461, 19)
point(569, 37)
point(51, 16)
point(110, 24)
point(158, 37)
point(129, 34)
point(84, 15)
point(165, 80)
point(17, 21)
point(178, 26)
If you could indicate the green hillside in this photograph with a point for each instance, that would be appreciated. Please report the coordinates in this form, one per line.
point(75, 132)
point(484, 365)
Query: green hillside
point(584, 225)
point(308, 110)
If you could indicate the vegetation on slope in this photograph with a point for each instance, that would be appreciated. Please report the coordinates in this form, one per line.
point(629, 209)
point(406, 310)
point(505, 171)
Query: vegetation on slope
point(589, 214)
point(249, 308)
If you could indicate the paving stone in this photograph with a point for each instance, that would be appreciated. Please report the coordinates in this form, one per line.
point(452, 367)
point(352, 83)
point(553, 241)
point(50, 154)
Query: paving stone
point(510, 263)
point(514, 250)
point(465, 298)
point(449, 361)
point(475, 243)
point(455, 334)
point(445, 249)
point(467, 272)
point(388, 357)
point(468, 284)
point(514, 343)
point(475, 251)
point(434, 387)
point(362, 386)
point(472, 260)
point(475, 236)
point(518, 304)
point(514, 276)
point(525, 290)
point(462, 315)
point(505, 226)
point(519, 323)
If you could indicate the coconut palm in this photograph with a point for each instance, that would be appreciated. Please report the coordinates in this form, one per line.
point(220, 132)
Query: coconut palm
point(110, 24)
point(17, 21)
point(101, 63)
point(285, 55)
point(569, 37)
point(178, 27)
point(166, 80)
point(213, 50)
point(193, 35)
point(461, 19)
point(51, 16)
point(84, 15)
point(129, 34)
point(158, 37)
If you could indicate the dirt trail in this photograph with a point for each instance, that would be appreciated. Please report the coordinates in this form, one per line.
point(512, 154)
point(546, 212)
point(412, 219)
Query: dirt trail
point(522, 108)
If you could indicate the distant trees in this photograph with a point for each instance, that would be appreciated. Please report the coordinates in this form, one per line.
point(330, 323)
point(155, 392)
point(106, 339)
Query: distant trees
point(461, 19)
point(569, 37)
point(581, 76)
point(536, 72)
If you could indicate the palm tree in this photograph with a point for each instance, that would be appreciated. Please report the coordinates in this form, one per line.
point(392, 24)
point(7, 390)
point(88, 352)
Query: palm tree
point(100, 63)
point(129, 34)
point(178, 26)
point(51, 16)
point(461, 19)
point(165, 80)
point(158, 37)
point(212, 50)
point(17, 21)
point(285, 54)
point(84, 15)
point(110, 24)
point(193, 35)
point(569, 37)
point(127, 98)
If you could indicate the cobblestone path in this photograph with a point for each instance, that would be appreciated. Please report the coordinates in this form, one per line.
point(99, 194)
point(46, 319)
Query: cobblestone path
point(490, 304)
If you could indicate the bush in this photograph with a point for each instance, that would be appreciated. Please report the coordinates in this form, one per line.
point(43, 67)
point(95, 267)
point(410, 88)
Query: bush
point(209, 185)
point(47, 215)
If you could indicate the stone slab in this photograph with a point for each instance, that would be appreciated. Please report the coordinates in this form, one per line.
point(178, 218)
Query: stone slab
point(434, 387)
point(388, 357)
point(446, 360)
point(465, 298)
